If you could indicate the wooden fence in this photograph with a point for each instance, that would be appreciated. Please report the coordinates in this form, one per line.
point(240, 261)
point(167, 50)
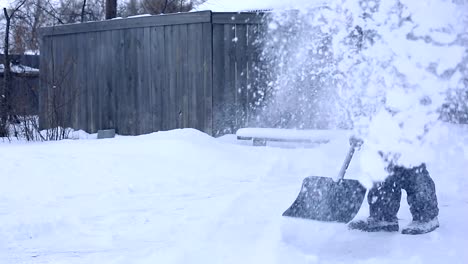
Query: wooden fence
point(139, 75)
point(24, 85)
point(24, 92)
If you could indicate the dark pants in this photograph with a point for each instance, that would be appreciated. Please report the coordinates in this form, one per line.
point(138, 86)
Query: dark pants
point(384, 197)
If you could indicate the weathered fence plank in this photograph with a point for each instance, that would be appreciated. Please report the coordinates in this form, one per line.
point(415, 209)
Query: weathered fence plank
point(91, 83)
point(218, 77)
point(194, 33)
point(158, 71)
point(207, 86)
point(105, 80)
point(120, 82)
point(147, 88)
point(130, 81)
point(241, 103)
point(170, 107)
point(253, 76)
point(182, 89)
point(75, 82)
point(230, 76)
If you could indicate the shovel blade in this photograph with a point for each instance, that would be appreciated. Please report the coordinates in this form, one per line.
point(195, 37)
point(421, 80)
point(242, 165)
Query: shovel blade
point(323, 199)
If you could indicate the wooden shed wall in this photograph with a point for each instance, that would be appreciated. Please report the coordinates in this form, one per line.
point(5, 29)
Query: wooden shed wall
point(147, 74)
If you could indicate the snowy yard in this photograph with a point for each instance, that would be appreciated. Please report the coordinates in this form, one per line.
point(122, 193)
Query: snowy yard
point(184, 197)
point(388, 69)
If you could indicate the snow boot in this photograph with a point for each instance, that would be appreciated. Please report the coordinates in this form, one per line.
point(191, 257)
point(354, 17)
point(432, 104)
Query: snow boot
point(373, 225)
point(421, 227)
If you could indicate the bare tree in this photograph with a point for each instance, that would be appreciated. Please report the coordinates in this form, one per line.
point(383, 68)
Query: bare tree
point(72, 11)
point(166, 6)
point(25, 28)
point(51, 11)
point(154, 7)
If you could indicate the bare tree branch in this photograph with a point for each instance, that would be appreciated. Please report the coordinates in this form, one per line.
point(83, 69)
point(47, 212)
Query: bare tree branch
point(51, 13)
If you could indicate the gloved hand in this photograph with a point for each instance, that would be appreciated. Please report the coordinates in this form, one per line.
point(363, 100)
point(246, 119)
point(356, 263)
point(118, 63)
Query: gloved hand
point(356, 142)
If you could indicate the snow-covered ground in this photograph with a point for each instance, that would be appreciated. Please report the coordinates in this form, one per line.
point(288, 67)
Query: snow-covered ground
point(185, 197)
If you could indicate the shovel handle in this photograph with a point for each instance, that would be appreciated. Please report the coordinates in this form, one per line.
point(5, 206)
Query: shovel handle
point(355, 143)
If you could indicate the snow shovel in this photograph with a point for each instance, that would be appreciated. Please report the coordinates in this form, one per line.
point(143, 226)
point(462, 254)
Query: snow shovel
point(324, 199)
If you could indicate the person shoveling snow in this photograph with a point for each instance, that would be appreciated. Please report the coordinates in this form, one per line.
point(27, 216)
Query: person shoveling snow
point(384, 202)
point(324, 199)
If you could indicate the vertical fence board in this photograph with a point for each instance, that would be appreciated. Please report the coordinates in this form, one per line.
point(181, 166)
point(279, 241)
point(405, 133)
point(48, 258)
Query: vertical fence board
point(45, 79)
point(207, 85)
point(123, 96)
point(195, 68)
point(90, 80)
point(61, 93)
point(103, 86)
point(146, 84)
point(128, 104)
point(252, 72)
point(116, 82)
point(170, 104)
point(69, 59)
point(183, 78)
point(96, 74)
point(87, 109)
point(106, 96)
point(58, 90)
point(74, 82)
point(158, 71)
point(56, 75)
point(139, 106)
point(241, 75)
point(230, 74)
point(168, 81)
point(54, 89)
point(218, 78)
point(178, 69)
point(82, 80)
point(99, 87)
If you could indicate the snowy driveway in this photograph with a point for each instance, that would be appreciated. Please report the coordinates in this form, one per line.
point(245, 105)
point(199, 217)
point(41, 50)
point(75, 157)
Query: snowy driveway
point(184, 197)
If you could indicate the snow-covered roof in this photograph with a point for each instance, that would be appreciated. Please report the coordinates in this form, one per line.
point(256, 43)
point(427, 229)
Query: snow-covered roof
point(246, 5)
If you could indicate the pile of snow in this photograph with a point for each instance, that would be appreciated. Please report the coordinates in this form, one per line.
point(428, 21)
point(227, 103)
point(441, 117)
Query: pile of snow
point(184, 197)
